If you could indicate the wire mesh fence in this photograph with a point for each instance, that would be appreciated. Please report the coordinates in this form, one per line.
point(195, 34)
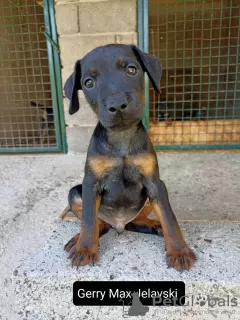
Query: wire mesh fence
point(26, 111)
point(198, 44)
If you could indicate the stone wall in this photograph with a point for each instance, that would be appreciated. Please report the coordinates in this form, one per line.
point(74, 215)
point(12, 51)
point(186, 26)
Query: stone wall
point(83, 25)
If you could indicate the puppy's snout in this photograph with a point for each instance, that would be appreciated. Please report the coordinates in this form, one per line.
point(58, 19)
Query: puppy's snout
point(117, 108)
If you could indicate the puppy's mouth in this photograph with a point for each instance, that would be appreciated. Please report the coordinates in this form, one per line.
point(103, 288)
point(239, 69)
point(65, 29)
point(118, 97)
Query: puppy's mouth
point(120, 125)
point(125, 124)
point(122, 121)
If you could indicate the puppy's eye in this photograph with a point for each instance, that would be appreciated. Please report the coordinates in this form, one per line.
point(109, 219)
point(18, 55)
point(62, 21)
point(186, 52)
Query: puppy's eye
point(89, 83)
point(131, 70)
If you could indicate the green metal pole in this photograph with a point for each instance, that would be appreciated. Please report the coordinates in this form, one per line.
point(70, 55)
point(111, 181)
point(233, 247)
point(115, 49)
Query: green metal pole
point(143, 45)
point(52, 74)
point(57, 69)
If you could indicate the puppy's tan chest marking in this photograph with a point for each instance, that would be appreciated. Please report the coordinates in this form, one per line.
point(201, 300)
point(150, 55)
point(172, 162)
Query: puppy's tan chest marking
point(100, 165)
point(145, 163)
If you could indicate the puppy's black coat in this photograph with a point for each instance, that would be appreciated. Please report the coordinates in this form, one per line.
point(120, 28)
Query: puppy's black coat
point(121, 185)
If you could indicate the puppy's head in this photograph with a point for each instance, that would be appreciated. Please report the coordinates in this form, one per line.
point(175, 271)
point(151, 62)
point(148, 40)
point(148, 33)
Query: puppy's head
point(112, 79)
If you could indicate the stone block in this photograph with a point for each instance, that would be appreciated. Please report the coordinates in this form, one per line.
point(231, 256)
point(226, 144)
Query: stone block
point(126, 38)
point(79, 1)
point(67, 19)
point(78, 138)
point(108, 16)
point(75, 47)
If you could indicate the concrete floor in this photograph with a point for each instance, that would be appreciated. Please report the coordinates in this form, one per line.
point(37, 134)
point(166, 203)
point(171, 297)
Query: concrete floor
point(36, 277)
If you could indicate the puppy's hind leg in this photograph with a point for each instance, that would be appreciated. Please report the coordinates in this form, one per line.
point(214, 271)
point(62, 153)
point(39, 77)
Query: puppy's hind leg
point(74, 200)
point(143, 224)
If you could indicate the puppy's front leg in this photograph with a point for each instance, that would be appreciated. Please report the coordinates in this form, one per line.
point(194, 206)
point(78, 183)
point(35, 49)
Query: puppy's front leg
point(86, 248)
point(179, 255)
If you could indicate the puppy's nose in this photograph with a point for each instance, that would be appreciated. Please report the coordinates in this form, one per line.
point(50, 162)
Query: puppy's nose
point(119, 108)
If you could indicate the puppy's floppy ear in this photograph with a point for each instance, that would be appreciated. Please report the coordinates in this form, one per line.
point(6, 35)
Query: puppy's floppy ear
point(151, 65)
point(71, 87)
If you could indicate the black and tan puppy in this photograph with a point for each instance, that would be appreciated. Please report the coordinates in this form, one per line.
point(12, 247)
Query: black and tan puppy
point(121, 185)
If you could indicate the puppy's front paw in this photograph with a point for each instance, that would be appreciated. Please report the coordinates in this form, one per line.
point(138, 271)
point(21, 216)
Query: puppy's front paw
point(182, 259)
point(71, 243)
point(80, 255)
